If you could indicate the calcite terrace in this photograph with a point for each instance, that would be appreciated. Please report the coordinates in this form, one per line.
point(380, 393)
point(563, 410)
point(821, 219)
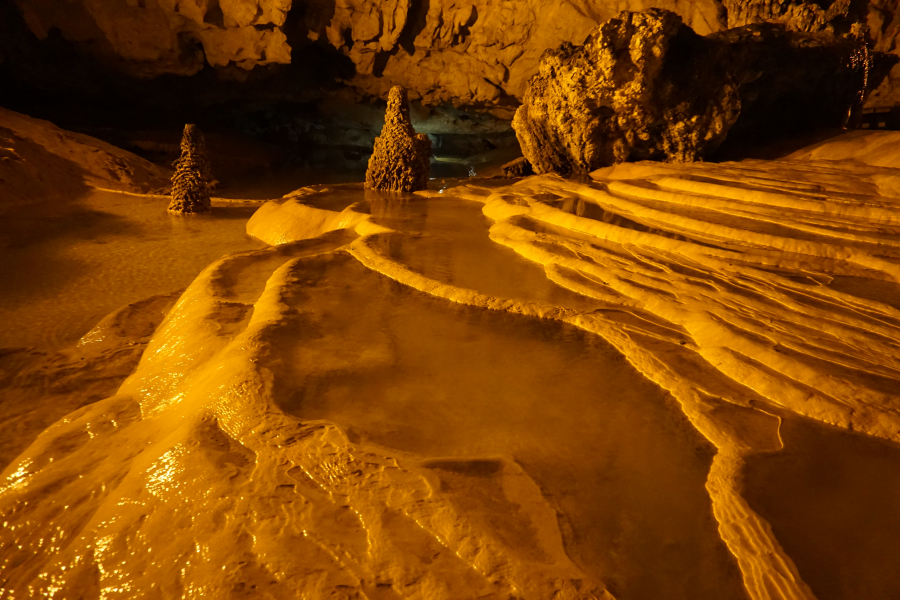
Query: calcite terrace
point(664, 380)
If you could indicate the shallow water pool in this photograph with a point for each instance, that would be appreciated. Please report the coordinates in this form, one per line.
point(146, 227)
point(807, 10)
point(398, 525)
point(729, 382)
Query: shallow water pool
point(65, 267)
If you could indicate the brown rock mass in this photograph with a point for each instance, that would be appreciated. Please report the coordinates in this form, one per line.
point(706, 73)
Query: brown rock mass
point(644, 86)
point(638, 89)
point(478, 54)
point(40, 162)
point(400, 161)
point(190, 189)
point(519, 167)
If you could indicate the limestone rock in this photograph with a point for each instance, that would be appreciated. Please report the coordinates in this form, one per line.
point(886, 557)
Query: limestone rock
point(638, 89)
point(644, 86)
point(479, 53)
point(40, 162)
point(879, 20)
point(519, 167)
point(400, 161)
point(792, 82)
point(168, 36)
point(190, 190)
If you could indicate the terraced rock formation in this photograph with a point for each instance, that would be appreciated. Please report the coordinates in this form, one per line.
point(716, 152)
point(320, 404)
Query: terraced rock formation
point(672, 381)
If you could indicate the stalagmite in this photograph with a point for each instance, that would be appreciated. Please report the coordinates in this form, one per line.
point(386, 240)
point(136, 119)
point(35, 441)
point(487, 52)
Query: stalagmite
point(400, 160)
point(190, 184)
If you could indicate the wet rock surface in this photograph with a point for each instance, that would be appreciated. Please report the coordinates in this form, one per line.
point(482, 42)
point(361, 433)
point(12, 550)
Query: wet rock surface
point(40, 162)
point(400, 160)
point(644, 86)
point(551, 389)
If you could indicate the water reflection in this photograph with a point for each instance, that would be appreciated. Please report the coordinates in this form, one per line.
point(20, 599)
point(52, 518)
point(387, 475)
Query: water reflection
point(65, 267)
point(831, 497)
point(610, 450)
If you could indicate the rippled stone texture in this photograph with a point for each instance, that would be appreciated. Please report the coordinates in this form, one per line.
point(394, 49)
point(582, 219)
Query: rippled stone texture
point(615, 388)
point(644, 86)
point(400, 160)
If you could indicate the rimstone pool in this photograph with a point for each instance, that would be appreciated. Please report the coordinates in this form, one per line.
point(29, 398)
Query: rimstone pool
point(546, 389)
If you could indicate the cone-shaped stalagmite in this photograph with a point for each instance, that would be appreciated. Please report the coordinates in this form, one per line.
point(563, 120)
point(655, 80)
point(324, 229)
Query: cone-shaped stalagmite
point(190, 184)
point(401, 159)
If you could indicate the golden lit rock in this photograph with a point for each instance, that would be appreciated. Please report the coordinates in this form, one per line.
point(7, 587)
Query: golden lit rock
point(400, 159)
point(656, 380)
point(192, 178)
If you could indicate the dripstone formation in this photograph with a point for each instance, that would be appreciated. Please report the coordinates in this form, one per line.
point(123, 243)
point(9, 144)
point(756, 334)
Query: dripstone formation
point(190, 183)
point(401, 158)
point(519, 167)
point(644, 86)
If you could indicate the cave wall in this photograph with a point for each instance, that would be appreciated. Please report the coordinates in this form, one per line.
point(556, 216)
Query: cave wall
point(155, 37)
point(476, 54)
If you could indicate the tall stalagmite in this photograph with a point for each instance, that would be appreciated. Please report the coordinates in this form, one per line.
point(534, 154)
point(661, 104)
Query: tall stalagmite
point(400, 161)
point(190, 184)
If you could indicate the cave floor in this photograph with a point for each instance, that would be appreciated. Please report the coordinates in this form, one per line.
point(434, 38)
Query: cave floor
point(671, 381)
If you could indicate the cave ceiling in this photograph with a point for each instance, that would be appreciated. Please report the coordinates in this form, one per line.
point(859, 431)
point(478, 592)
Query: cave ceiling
point(476, 55)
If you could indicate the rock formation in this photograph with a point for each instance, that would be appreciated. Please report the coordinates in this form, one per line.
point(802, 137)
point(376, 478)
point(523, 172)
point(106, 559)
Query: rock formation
point(155, 38)
point(519, 167)
point(644, 86)
point(792, 82)
point(638, 89)
point(478, 54)
point(190, 189)
point(401, 158)
point(193, 142)
point(41, 163)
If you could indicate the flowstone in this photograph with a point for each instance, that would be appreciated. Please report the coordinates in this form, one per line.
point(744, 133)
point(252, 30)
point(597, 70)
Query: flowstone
point(400, 161)
point(190, 184)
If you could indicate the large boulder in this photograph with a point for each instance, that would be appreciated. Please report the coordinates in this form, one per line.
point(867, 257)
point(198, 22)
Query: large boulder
point(645, 86)
point(401, 159)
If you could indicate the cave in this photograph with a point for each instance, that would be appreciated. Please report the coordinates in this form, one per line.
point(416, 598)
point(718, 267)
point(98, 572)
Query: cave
point(429, 299)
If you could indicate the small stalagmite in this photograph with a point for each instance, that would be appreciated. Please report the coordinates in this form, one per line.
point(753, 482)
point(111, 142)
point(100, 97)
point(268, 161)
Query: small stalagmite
point(190, 183)
point(400, 161)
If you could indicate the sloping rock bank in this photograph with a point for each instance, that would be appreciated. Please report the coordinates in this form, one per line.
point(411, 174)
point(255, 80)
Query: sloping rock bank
point(645, 86)
point(39, 161)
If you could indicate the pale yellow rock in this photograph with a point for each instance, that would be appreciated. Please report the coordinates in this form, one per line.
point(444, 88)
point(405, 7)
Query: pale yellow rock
point(743, 322)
